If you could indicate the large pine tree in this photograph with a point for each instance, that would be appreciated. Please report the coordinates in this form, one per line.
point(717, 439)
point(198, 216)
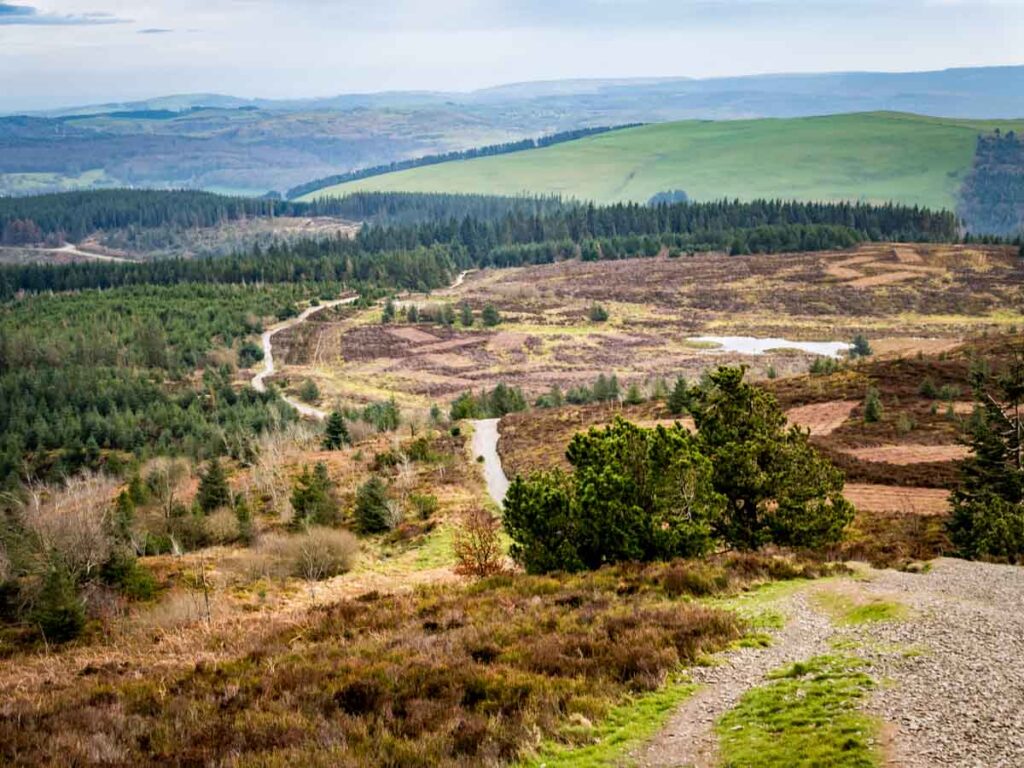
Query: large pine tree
point(988, 507)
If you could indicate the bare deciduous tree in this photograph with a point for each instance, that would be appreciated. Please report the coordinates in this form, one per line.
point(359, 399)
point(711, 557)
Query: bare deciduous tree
point(71, 521)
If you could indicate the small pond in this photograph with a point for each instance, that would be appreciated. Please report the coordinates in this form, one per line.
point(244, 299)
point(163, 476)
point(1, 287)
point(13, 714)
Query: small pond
point(749, 345)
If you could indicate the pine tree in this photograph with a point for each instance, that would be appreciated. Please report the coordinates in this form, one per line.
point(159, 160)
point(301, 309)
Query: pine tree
point(124, 516)
point(467, 314)
point(59, 612)
point(336, 432)
point(679, 400)
point(988, 507)
point(313, 497)
point(860, 346)
point(309, 392)
point(873, 410)
point(213, 488)
point(388, 315)
point(372, 507)
point(491, 316)
point(633, 395)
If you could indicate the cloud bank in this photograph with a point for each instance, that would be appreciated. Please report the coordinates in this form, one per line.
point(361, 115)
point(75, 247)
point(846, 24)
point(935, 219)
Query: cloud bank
point(27, 15)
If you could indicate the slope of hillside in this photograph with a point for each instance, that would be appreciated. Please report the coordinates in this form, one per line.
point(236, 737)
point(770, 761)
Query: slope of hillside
point(874, 157)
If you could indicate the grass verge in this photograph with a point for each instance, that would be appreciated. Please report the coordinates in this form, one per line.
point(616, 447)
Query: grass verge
point(851, 610)
point(805, 716)
point(606, 744)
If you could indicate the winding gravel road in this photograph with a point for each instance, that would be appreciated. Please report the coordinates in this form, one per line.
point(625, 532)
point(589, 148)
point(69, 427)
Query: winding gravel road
point(485, 444)
point(259, 380)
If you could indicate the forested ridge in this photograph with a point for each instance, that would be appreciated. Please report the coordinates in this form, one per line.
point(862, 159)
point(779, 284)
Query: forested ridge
point(426, 254)
point(992, 197)
point(72, 216)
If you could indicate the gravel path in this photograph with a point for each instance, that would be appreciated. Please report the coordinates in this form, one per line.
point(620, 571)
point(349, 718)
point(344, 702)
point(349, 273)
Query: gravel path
point(688, 738)
point(951, 675)
point(957, 699)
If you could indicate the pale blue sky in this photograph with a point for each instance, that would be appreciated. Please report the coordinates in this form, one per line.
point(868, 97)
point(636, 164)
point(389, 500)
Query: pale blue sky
point(62, 52)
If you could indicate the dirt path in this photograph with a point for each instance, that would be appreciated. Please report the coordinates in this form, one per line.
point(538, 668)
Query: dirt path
point(689, 739)
point(69, 249)
point(953, 672)
point(950, 680)
point(259, 380)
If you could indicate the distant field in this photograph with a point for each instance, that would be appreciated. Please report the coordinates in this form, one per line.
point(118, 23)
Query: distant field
point(874, 157)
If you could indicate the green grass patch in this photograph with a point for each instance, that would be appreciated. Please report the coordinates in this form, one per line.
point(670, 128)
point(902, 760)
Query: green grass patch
point(626, 727)
point(874, 157)
point(805, 716)
point(846, 610)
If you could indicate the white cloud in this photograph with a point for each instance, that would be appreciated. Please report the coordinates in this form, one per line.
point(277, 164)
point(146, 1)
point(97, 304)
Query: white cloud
point(293, 48)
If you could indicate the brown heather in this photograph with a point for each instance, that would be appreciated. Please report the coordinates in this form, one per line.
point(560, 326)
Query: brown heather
point(437, 677)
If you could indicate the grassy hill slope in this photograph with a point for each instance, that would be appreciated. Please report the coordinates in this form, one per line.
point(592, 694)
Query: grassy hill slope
point(875, 157)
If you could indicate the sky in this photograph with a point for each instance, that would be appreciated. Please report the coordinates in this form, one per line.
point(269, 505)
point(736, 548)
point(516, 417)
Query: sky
point(70, 52)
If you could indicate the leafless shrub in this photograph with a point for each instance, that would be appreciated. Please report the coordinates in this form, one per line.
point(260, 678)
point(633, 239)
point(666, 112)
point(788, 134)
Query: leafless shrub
point(395, 514)
point(314, 555)
point(477, 545)
point(222, 527)
point(360, 431)
point(71, 521)
point(268, 486)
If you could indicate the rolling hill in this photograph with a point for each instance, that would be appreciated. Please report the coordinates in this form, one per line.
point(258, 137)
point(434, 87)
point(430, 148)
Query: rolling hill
point(874, 157)
point(248, 146)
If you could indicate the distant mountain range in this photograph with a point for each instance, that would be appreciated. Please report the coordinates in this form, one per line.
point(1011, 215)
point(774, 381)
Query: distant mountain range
point(250, 146)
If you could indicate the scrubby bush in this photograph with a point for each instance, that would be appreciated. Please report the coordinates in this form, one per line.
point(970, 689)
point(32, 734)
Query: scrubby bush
point(873, 410)
point(424, 504)
point(309, 392)
point(823, 366)
point(597, 313)
point(385, 416)
point(249, 354)
point(222, 527)
point(476, 544)
point(314, 554)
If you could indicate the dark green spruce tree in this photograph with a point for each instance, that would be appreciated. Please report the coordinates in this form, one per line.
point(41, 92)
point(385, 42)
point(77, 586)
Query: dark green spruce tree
point(336, 434)
point(988, 506)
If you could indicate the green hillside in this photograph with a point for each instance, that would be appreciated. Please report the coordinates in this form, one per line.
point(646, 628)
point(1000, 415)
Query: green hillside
point(876, 157)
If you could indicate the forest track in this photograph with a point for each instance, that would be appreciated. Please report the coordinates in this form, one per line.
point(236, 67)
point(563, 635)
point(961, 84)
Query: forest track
point(269, 369)
point(949, 683)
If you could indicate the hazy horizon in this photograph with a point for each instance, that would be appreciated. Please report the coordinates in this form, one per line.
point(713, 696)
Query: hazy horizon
point(62, 53)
